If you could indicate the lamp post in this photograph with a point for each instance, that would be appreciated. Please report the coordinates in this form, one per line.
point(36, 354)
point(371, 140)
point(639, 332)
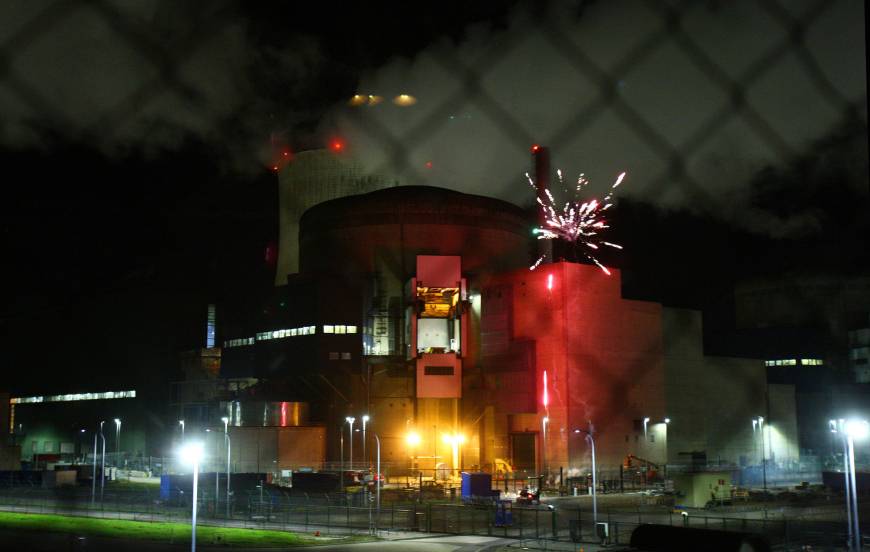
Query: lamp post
point(117, 440)
point(365, 420)
point(192, 453)
point(378, 481)
point(94, 478)
point(350, 420)
point(455, 440)
point(839, 427)
point(591, 440)
point(341, 456)
point(855, 429)
point(412, 439)
point(544, 421)
point(181, 423)
point(667, 422)
point(103, 462)
point(758, 422)
point(226, 422)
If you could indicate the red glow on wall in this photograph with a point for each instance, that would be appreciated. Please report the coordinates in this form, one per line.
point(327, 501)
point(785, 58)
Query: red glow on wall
point(283, 414)
point(549, 282)
point(546, 397)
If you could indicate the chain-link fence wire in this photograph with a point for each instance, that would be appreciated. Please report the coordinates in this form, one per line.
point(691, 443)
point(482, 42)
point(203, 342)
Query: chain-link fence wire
point(167, 65)
point(280, 509)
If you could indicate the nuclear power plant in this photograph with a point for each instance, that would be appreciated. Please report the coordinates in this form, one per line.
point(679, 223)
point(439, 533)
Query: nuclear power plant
point(411, 312)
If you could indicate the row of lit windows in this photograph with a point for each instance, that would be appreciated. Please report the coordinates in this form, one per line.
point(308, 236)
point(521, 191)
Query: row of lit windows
point(339, 356)
point(290, 332)
point(793, 362)
point(339, 329)
point(76, 397)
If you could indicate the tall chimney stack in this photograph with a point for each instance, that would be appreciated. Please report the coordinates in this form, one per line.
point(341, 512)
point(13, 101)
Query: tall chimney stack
point(541, 162)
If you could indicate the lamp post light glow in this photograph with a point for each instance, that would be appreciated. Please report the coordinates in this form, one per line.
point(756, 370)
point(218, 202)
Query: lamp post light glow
point(413, 440)
point(455, 440)
point(226, 422)
point(545, 421)
point(365, 420)
point(855, 429)
point(591, 440)
point(645, 424)
point(192, 453)
point(117, 440)
point(350, 420)
point(103, 462)
point(758, 423)
point(181, 423)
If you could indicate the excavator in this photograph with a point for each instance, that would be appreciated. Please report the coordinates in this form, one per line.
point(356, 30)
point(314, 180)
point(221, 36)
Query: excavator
point(651, 467)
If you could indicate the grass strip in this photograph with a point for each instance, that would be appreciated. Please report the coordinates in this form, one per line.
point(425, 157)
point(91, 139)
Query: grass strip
point(161, 531)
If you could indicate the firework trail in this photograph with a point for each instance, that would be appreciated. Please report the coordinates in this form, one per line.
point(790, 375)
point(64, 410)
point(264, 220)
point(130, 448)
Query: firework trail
point(578, 223)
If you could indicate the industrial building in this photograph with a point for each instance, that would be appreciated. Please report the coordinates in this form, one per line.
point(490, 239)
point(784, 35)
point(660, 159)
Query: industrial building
point(416, 307)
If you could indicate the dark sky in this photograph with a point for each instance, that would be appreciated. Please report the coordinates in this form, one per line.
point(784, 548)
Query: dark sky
point(137, 141)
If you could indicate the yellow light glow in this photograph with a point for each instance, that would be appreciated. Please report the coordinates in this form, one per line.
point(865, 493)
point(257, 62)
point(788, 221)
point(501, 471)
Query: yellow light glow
point(375, 100)
point(412, 438)
point(456, 439)
point(404, 100)
point(358, 100)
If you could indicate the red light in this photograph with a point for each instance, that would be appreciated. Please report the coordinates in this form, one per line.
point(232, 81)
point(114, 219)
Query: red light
point(286, 154)
point(550, 282)
point(275, 168)
point(428, 164)
point(546, 397)
point(337, 145)
point(535, 148)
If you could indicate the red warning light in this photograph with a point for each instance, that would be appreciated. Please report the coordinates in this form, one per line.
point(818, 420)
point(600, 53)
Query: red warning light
point(535, 148)
point(428, 164)
point(275, 168)
point(337, 145)
point(286, 153)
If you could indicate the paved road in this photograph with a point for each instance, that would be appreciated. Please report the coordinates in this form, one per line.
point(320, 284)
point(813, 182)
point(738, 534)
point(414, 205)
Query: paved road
point(45, 542)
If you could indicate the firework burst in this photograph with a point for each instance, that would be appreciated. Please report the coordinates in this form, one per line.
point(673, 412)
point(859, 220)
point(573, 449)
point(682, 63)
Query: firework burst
point(576, 222)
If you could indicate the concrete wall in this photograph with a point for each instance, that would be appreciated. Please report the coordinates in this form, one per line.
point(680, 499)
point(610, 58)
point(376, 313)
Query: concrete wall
point(710, 400)
point(272, 449)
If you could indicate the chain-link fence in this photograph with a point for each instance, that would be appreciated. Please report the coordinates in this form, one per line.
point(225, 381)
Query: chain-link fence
point(273, 508)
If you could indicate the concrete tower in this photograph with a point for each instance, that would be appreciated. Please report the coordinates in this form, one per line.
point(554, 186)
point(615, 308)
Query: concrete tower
point(314, 177)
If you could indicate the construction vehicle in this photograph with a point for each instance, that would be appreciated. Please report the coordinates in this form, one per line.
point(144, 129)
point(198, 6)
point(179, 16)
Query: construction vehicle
point(651, 468)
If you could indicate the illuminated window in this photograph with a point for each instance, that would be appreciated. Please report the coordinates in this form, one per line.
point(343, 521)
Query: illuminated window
point(328, 329)
point(312, 329)
point(345, 356)
point(75, 397)
point(333, 356)
point(789, 362)
point(294, 331)
point(351, 329)
point(340, 329)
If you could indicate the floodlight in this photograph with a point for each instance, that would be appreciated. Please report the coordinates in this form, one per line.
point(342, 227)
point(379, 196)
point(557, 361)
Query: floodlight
point(667, 420)
point(412, 438)
point(192, 453)
point(857, 429)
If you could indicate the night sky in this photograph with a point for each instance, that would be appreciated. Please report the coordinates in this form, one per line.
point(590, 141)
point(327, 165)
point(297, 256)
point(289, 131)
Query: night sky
point(137, 143)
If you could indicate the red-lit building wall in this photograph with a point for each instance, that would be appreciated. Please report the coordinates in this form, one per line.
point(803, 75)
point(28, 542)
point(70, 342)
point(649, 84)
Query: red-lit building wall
point(602, 354)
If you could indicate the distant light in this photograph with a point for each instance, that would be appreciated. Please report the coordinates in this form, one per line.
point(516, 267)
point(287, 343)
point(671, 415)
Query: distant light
point(428, 164)
point(550, 282)
point(286, 154)
point(412, 438)
point(375, 100)
point(366, 418)
point(336, 145)
point(225, 420)
point(646, 420)
point(857, 429)
point(275, 168)
point(350, 419)
point(667, 420)
point(357, 100)
point(404, 100)
point(191, 453)
point(535, 148)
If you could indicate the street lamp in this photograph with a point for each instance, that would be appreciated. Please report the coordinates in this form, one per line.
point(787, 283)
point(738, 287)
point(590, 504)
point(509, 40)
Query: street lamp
point(181, 423)
point(544, 421)
point(94, 478)
point(192, 453)
point(365, 420)
point(455, 440)
point(855, 429)
point(645, 424)
point(350, 420)
point(103, 461)
point(117, 440)
point(838, 427)
point(758, 422)
point(226, 422)
point(591, 440)
point(412, 439)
